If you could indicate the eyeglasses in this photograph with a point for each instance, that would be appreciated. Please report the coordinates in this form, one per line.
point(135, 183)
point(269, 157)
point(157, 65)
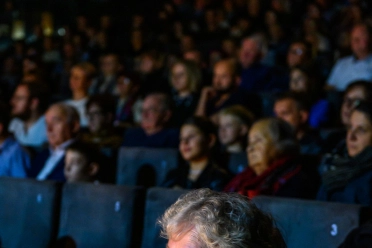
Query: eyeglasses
point(351, 102)
point(296, 51)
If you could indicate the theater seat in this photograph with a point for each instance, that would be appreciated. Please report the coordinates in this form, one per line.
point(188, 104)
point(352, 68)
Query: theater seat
point(145, 166)
point(101, 215)
point(309, 224)
point(28, 213)
point(237, 162)
point(157, 201)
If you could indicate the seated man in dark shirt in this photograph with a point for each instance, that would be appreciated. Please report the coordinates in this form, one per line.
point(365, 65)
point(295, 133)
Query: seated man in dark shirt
point(156, 113)
point(224, 91)
point(292, 108)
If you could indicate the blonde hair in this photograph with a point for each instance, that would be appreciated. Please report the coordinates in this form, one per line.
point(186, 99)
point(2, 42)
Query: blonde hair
point(193, 74)
point(239, 112)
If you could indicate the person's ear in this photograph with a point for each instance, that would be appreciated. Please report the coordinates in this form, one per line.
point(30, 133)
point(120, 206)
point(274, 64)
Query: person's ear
point(34, 103)
point(75, 127)
point(243, 130)
point(238, 80)
point(212, 140)
point(93, 169)
point(304, 115)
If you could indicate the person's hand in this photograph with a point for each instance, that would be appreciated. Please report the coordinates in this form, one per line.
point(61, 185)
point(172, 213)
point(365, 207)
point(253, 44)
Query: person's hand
point(208, 92)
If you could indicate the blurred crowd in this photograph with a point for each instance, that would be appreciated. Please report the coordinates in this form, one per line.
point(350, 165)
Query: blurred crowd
point(286, 82)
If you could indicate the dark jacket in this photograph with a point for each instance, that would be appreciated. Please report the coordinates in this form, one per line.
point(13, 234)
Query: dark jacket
point(38, 163)
point(348, 180)
point(166, 138)
point(212, 177)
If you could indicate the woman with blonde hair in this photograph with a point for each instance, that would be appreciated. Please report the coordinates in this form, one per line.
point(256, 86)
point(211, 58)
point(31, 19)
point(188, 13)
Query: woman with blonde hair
point(185, 79)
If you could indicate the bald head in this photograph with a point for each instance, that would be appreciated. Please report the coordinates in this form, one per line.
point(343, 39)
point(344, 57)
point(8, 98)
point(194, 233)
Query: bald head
point(360, 41)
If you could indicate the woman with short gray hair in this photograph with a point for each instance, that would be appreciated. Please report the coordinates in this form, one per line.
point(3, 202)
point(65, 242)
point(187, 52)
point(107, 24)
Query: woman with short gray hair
point(209, 219)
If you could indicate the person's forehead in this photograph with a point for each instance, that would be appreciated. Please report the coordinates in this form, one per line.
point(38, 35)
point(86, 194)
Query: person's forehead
point(359, 31)
point(285, 103)
point(356, 92)
point(22, 90)
point(55, 112)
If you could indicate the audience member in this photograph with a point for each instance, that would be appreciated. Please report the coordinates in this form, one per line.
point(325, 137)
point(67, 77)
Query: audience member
point(198, 138)
point(100, 111)
point(273, 167)
point(156, 114)
point(80, 81)
point(293, 109)
point(82, 162)
point(357, 66)
point(29, 102)
point(299, 54)
point(204, 218)
point(105, 83)
point(128, 87)
point(348, 179)
point(224, 91)
point(62, 123)
point(233, 126)
point(255, 76)
point(14, 160)
point(185, 80)
point(306, 80)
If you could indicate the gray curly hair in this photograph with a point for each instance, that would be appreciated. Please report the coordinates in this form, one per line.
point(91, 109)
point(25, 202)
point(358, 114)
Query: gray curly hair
point(223, 220)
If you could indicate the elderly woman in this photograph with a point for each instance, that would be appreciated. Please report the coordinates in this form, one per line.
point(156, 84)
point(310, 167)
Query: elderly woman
point(203, 218)
point(273, 167)
point(349, 179)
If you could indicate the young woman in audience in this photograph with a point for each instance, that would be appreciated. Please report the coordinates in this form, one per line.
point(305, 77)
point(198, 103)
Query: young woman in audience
point(349, 179)
point(233, 126)
point(198, 139)
point(185, 80)
point(273, 163)
point(80, 80)
point(306, 80)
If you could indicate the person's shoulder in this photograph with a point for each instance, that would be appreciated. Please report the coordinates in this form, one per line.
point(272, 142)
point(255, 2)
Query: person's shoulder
point(15, 123)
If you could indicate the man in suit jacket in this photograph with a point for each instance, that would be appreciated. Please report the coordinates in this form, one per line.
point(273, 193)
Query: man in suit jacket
point(62, 123)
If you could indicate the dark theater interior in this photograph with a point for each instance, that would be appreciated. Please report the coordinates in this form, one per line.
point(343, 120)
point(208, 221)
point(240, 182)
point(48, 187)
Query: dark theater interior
point(185, 123)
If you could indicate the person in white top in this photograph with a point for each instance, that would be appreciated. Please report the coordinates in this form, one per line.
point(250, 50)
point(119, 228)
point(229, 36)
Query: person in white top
point(29, 103)
point(62, 129)
point(80, 81)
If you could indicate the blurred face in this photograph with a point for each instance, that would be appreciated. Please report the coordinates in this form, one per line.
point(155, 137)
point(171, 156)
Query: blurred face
point(193, 145)
point(287, 110)
point(97, 121)
point(124, 86)
point(147, 65)
point(298, 81)
point(230, 130)
point(58, 128)
point(359, 133)
point(360, 41)
point(179, 78)
point(76, 167)
point(78, 80)
point(20, 102)
point(353, 95)
point(296, 54)
point(109, 65)
point(223, 78)
point(259, 149)
point(249, 53)
point(153, 114)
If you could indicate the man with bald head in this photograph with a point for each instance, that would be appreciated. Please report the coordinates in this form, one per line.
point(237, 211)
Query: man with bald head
point(255, 76)
point(62, 123)
point(357, 66)
point(224, 91)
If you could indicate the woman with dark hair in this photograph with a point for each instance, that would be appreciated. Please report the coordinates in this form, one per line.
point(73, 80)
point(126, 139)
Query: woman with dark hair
point(349, 179)
point(273, 167)
point(306, 80)
point(198, 139)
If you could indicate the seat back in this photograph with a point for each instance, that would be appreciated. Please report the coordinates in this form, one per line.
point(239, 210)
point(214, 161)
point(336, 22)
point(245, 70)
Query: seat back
point(309, 224)
point(145, 166)
point(28, 212)
point(101, 215)
point(157, 201)
point(237, 162)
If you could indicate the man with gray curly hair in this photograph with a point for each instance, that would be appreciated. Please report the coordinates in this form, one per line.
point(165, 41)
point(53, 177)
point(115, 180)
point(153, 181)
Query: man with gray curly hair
point(207, 219)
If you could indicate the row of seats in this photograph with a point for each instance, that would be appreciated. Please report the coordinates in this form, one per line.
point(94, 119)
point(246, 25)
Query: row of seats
point(36, 214)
